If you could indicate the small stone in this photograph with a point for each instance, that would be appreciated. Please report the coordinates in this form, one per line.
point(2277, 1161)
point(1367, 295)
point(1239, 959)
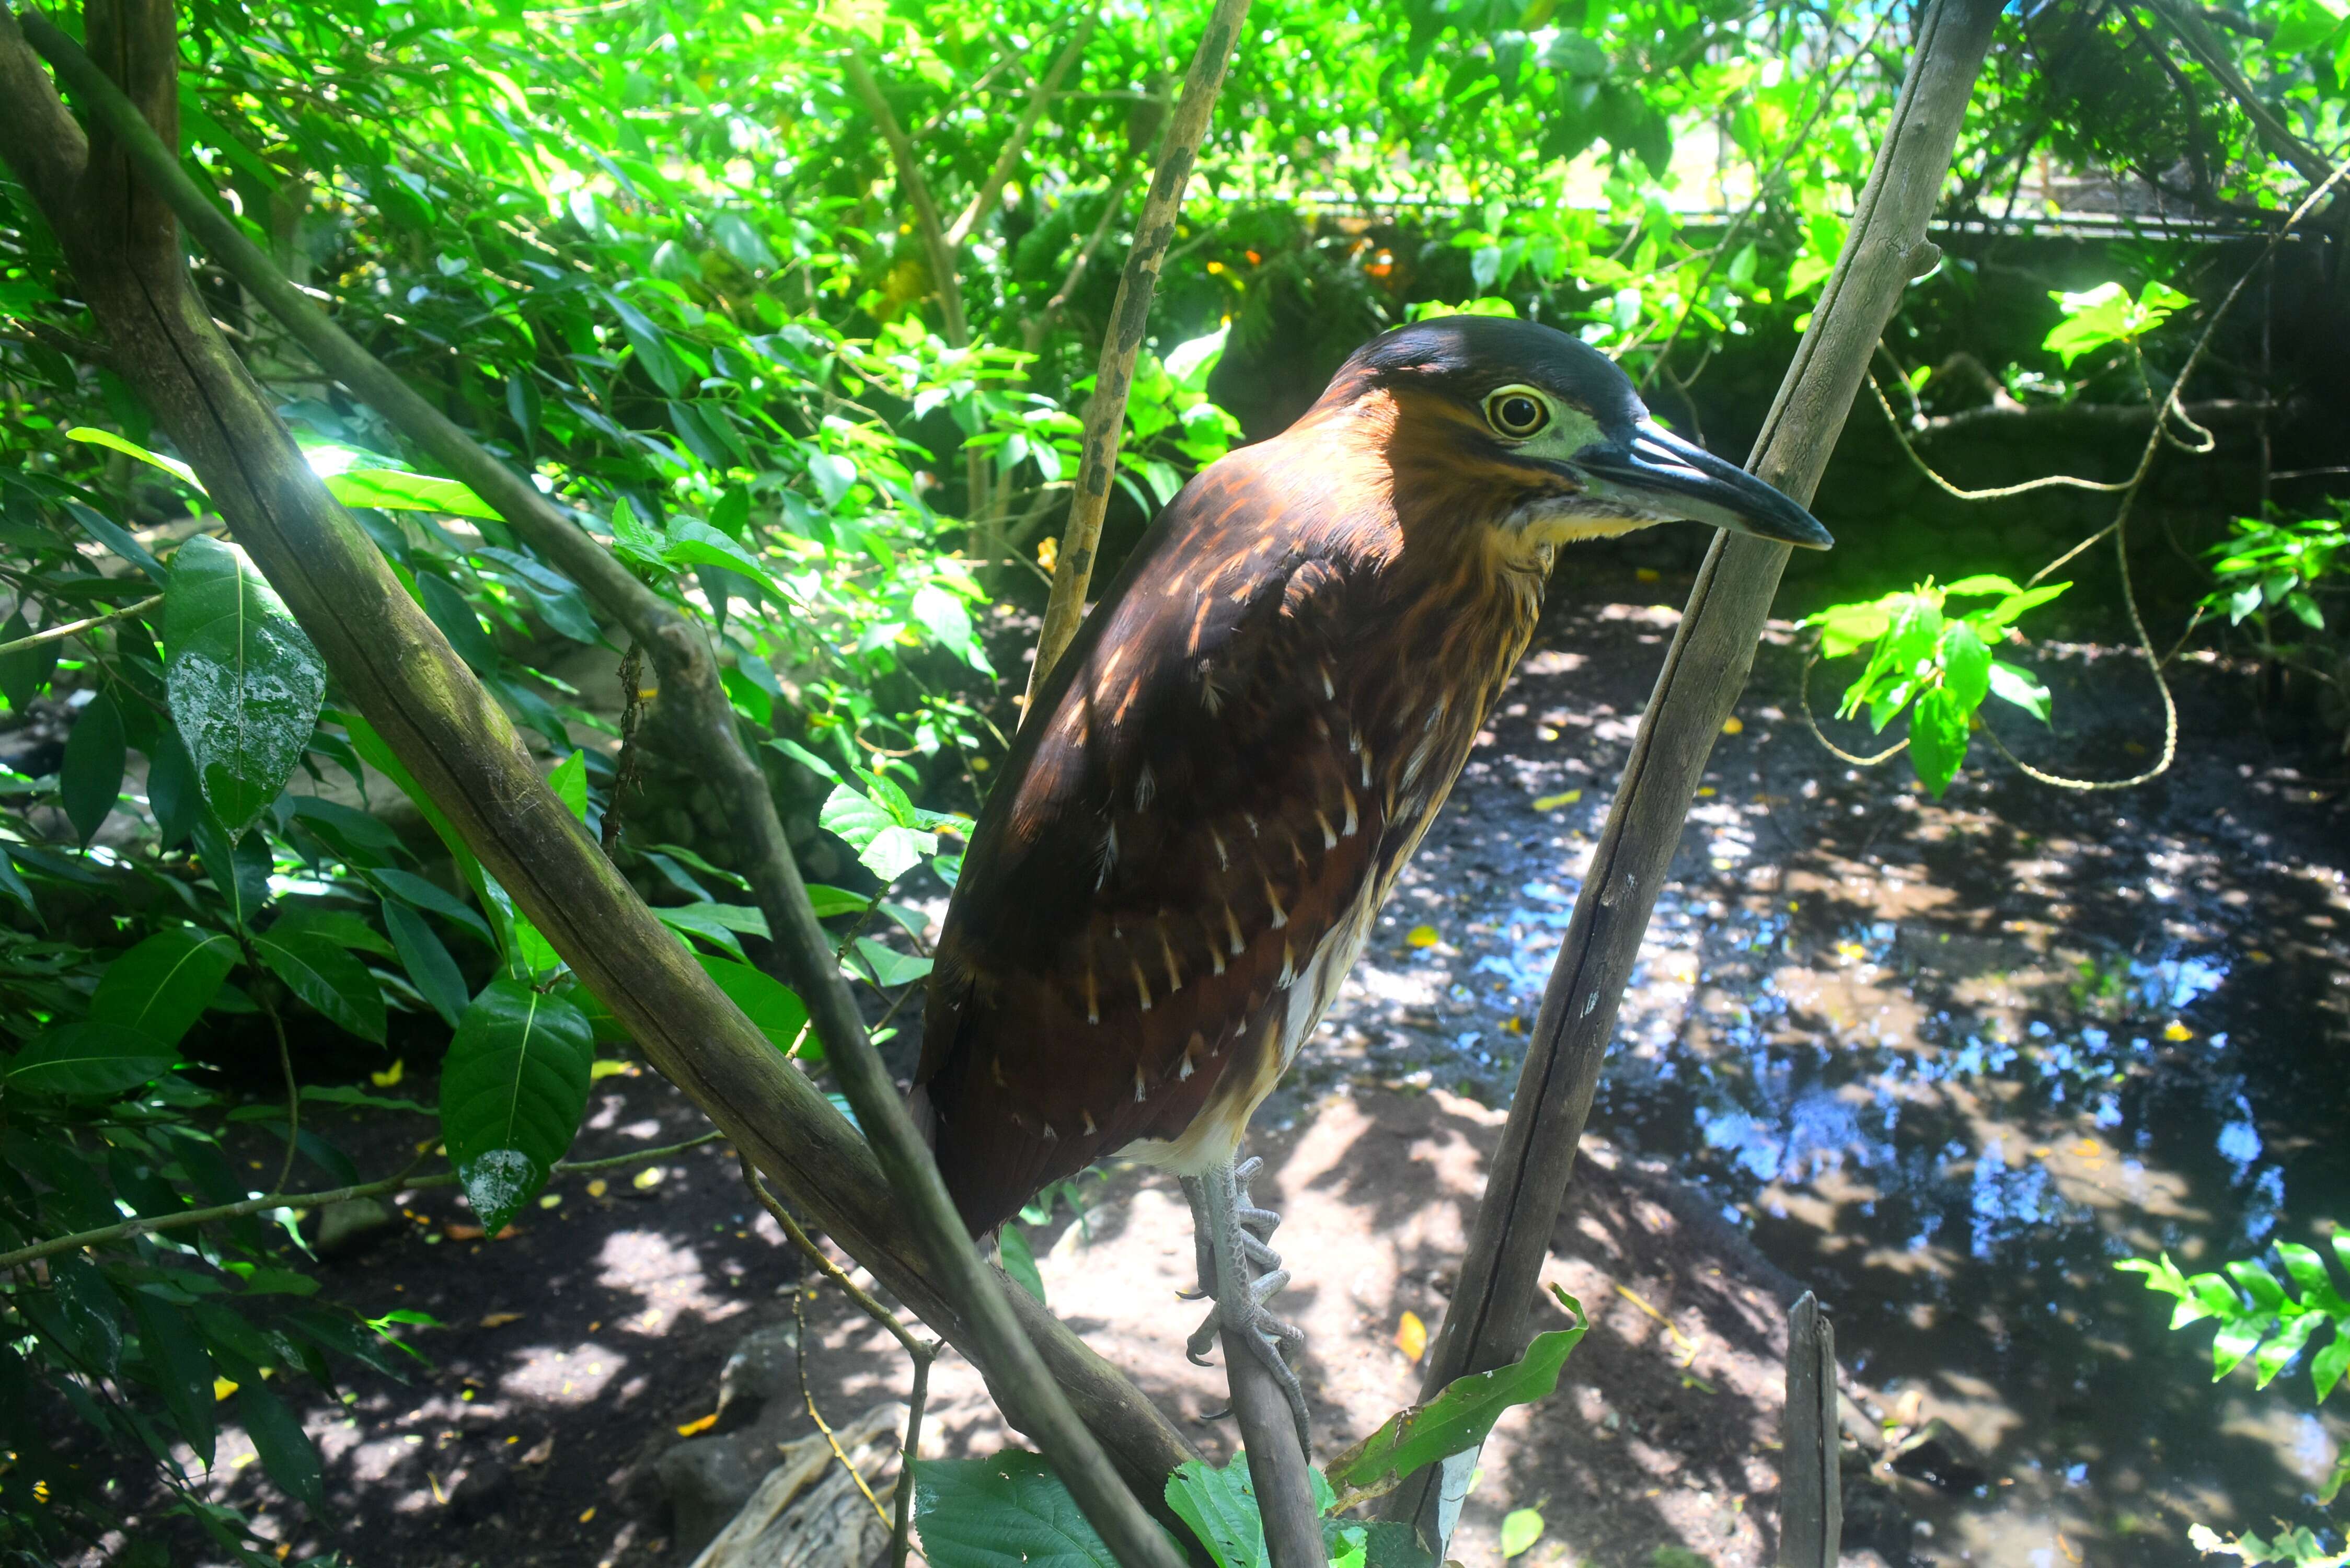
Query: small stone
point(351, 1225)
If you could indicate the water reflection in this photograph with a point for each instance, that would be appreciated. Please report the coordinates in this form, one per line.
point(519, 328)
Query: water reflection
point(1947, 1072)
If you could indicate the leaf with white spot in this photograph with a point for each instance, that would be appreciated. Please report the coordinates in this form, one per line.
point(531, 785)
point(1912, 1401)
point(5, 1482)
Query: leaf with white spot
point(244, 681)
point(512, 1091)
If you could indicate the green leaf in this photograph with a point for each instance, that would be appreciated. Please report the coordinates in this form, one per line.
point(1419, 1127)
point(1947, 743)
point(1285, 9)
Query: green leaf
point(426, 894)
point(1520, 1527)
point(1019, 1261)
point(2238, 1339)
point(1982, 584)
point(172, 793)
point(23, 671)
point(1008, 1511)
point(321, 972)
point(888, 846)
point(2326, 1367)
point(430, 968)
point(569, 782)
point(1966, 665)
point(1221, 1507)
point(170, 465)
point(889, 967)
point(285, 1448)
point(160, 987)
point(651, 346)
point(394, 490)
point(2019, 687)
point(692, 543)
point(340, 927)
point(1938, 738)
point(512, 1091)
point(1458, 1418)
point(768, 1003)
point(117, 538)
point(632, 540)
point(85, 1061)
point(445, 604)
point(2273, 1356)
point(183, 1368)
point(244, 683)
point(239, 868)
point(715, 922)
point(90, 778)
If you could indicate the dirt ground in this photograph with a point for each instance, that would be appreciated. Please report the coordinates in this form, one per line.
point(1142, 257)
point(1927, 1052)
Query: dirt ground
point(571, 1355)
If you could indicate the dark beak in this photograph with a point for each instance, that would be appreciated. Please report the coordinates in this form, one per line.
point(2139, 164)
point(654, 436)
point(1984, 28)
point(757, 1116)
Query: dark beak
point(1658, 473)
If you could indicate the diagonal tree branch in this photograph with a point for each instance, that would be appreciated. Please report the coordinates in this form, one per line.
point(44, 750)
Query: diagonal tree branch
point(1485, 1325)
point(945, 276)
point(1106, 413)
point(1040, 98)
point(399, 670)
point(2212, 57)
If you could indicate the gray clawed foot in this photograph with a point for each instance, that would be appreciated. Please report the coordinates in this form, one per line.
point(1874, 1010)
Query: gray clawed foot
point(1228, 1226)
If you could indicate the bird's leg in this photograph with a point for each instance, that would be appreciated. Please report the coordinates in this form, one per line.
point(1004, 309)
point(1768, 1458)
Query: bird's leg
point(1232, 1235)
point(1203, 1259)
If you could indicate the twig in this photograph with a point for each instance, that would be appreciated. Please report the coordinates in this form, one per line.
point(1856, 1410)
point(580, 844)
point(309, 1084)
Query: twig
point(1762, 189)
point(2000, 492)
point(1129, 318)
point(52, 633)
point(919, 1350)
point(1040, 98)
point(399, 1180)
point(807, 1396)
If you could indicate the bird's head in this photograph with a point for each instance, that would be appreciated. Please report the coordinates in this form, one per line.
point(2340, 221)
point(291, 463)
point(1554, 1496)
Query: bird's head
point(1522, 429)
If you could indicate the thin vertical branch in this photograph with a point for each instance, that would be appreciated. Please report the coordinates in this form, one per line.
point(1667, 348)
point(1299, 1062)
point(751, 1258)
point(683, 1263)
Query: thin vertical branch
point(1073, 568)
point(944, 274)
point(1485, 1325)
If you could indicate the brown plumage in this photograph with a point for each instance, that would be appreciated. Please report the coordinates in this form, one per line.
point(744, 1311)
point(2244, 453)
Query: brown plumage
point(1197, 824)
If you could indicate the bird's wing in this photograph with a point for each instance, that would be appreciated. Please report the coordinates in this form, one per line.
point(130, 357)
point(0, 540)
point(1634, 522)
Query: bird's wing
point(1180, 846)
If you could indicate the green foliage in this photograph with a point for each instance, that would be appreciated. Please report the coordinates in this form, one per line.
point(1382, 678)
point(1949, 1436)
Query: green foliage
point(2106, 314)
point(2257, 1316)
point(1458, 1419)
point(1008, 1512)
point(2273, 564)
point(1937, 664)
point(2269, 1322)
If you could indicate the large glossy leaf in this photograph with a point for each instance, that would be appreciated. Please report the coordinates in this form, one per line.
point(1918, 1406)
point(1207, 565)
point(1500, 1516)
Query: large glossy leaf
point(85, 1061)
point(319, 972)
point(512, 1091)
point(392, 490)
point(244, 681)
point(1008, 1512)
point(160, 987)
point(90, 778)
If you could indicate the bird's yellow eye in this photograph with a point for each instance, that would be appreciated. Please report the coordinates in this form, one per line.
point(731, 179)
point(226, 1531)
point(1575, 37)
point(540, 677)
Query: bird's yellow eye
point(1517, 412)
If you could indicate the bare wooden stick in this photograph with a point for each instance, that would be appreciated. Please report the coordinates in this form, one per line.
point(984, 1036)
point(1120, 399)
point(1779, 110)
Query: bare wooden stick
point(1073, 568)
point(1485, 1325)
point(120, 241)
point(1277, 1469)
point(1811, 1486)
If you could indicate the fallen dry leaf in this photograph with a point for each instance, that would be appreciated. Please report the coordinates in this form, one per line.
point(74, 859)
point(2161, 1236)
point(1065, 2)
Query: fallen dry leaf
point(539, 1452)
point(699, 1425)
point(1411, 1336)
point(500, 1319)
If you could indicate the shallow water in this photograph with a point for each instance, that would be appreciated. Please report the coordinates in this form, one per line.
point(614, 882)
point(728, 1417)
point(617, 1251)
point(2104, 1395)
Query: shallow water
point(1945, 1063)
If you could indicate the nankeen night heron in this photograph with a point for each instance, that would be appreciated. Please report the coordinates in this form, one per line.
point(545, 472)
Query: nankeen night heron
point(1215, 788)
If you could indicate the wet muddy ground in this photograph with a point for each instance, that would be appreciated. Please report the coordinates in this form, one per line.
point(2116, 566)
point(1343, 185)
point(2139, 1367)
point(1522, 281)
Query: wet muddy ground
point(1942, 1061)
point(1945, 1061)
